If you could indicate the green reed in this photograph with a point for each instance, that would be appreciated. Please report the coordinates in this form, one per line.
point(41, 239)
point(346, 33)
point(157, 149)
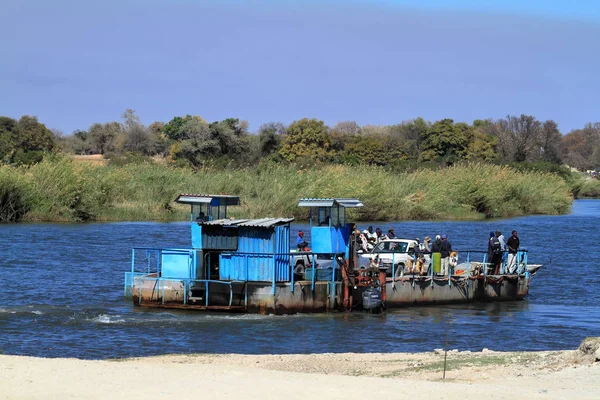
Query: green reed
point(62, 190)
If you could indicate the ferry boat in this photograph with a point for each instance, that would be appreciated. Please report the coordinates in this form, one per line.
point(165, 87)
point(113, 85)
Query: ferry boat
point(248, 266)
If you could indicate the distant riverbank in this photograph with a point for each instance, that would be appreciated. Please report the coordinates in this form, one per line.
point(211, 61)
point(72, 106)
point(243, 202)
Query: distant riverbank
point(64, 190)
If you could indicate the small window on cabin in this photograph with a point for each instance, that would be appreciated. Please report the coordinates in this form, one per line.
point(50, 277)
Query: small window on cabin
point(323, 216)
point(218, 212)
point(342, 216)
point(337, 216)
point(200, 212)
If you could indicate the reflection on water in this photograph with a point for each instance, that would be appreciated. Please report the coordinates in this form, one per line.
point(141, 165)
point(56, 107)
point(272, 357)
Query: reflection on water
point(62, 296)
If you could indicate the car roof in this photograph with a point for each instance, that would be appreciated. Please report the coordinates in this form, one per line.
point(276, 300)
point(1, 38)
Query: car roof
point(399, 240)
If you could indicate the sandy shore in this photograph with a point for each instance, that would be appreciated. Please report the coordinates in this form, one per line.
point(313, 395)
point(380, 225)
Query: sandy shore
point(495, 375)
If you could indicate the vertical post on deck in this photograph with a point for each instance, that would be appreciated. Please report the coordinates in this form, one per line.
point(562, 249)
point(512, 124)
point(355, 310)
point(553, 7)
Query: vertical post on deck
point(346, 288)
point(273, 283)
point(332, 289)
point(314, 272)
point(292, 271)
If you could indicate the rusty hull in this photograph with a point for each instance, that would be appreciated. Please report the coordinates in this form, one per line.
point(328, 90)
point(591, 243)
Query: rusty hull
point(426, 290)
point(257, 297)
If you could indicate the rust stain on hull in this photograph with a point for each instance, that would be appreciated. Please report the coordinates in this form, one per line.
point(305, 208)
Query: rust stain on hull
point(401, 292)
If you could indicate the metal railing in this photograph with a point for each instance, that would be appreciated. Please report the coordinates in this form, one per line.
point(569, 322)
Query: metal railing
point(470, 256)
point(151, 263)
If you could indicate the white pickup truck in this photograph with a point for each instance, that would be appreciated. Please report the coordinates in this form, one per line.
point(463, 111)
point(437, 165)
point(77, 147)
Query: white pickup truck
point(393, 251)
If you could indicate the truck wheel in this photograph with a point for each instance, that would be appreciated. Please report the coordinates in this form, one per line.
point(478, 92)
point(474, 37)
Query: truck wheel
point(399, 270)
point(299, 268)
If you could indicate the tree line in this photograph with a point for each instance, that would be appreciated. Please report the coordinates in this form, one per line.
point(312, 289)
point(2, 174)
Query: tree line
point(191, 140)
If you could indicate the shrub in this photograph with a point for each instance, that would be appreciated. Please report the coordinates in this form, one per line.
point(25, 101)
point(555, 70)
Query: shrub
point(14, 201)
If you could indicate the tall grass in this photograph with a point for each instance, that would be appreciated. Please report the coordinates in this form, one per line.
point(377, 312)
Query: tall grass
point(14, 195)
point(60, 190)
point(584, 186)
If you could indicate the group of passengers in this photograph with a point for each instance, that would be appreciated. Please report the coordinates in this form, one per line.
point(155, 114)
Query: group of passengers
point(368, 239)
point(501, 250)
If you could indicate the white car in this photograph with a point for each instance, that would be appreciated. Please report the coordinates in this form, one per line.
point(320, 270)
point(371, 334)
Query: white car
point(393, 251)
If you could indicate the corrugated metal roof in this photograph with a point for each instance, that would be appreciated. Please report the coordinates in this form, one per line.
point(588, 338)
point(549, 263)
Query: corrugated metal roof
point(315, 203)
point(225, 222)
point(349, 203)
point(267, 222)
point(186, 198)
point(344, 202)
point(263, 222)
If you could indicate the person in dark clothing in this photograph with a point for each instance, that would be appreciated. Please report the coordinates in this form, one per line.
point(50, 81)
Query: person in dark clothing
point(201, 217)
point(437, 244)
point(445, 250)
point(390, 234)
point(379, 234)
point(302, 244)
point(512, 244)
point(494, 253)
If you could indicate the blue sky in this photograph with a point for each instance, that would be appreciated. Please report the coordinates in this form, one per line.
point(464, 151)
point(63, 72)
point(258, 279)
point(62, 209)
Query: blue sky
point(73, 63)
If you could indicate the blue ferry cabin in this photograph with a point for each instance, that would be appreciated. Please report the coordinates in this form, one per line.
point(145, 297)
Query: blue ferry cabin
point(232, 261)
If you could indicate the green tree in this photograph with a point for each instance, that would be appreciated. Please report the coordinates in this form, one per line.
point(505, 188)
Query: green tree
point(306, 138)
point(445, 140)
point(102, 137)
point(270, 136)
point(32, 135)
point(229, 136)
point(365, 149)
point(174, 128)
point(198, 145)
point(481, 147)
point(24, 141)
point(159, 140)
point(409, 135)
point(8, 127)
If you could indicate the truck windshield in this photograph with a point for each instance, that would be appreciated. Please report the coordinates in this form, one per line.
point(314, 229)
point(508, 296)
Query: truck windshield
point(391, 247)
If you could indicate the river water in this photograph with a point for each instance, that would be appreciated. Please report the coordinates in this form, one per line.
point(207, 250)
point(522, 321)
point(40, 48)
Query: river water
point(62, 288)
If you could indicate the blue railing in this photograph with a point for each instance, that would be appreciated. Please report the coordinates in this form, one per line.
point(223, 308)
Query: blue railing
point(187, 286)
point(151, 263)
point(520, 260)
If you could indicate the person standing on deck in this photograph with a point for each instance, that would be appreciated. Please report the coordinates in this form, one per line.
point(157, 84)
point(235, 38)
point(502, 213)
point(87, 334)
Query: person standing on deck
point(500, 237)
point(513, 246)
point(427, 251)
point(302, 244)
point(437, 244)
point(445, 250)
point(494, 253)
point(503, 255)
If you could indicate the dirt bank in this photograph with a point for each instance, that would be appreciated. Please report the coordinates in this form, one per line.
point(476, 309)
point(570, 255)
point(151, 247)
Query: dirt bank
point(497, 375)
